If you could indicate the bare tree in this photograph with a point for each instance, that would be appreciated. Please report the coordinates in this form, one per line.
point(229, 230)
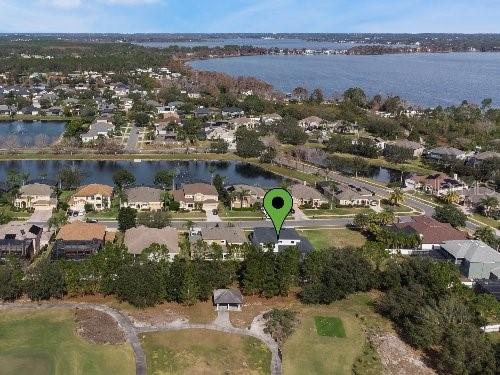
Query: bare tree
point(42, 141)
point(11, 143)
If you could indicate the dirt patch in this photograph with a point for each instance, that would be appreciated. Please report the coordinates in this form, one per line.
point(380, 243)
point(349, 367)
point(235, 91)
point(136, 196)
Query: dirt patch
point(98, 327)
point(398, 358)
point(254, 306)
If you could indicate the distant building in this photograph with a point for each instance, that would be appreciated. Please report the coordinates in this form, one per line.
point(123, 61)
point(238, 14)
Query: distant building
point(222, 236)
point(306, 195)
point(445, 153)
point(96, 130)
point(414, 147)
point(355, 196)
point(437, 184)
point(311, 122)
point(232, 112)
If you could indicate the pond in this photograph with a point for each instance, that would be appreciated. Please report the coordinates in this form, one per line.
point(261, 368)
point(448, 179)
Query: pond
point(29, 133)
point(144, 172)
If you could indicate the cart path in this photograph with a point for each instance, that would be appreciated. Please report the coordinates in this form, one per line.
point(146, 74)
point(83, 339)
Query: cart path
point(132, 329)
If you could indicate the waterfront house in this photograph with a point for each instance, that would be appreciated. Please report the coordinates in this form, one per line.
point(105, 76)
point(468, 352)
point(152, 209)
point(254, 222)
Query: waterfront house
point(96, 196)
point(306, 195)
point(471, 198)
point(144, 198)
point(415, 148)
point(245, 196)
point(36, 196)
point(20, 239)
point(197, 196)
point(265, 237)
point(140, 238)
point(98, 129)
point(227, 135)
point(350, 195)
point(475, 259)
point(436, 184)
point(445, 153)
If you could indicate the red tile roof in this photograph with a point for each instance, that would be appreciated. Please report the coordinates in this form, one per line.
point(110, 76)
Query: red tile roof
point(431, 230)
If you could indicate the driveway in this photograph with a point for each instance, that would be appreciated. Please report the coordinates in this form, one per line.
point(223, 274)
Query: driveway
point(133, 140)
point(40, 217)
point(212, 218)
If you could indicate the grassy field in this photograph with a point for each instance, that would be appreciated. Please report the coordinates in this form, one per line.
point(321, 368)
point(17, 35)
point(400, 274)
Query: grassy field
point(44, 342)
point(188, 215)
point(487, 220)
point(337, 211)
point(333, 237)
point(329, 326)
point(333, 355)
point(204, 352)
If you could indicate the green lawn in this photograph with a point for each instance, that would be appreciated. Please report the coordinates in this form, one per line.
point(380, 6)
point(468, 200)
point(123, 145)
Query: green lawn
point(487, 220)
point(337, 211)
point(306, 352)
point(44, 342)
point(226, 213)
point(66, 195)
point(7, 210)
point(329, 326)
point(333, 237)
point(188, 215)
point(199, 351)
point(402, 209)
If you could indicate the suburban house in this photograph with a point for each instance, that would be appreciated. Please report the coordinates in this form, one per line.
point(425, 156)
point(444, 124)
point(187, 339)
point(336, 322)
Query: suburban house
point(436, 184)
point(480, 157)
point(446, 153)
point(306, 195)
point(144, 198)
point(355, 196)
point(95, 195)
point(343, 127)
point(432, 233)
point(475, 259)
point(20, 239)
point(271, 118)
point(140, 238)
point(78, 240)
point(227, 135)
point(219, 235)
point(37, 196)
point(247, 122)
point(100, 128)
point(311, 122)
point(245, 196)
point(197, 196)
point(232, 112)
point(266, 238)
point(227, 300)
point(414, 147)
point(472, 197)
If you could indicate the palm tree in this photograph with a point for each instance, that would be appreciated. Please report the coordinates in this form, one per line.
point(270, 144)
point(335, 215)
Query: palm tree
point(397, 197)
point(189, 225)
point(488, 204)
point(242, 193)
point(386, 217)
point(212, 170)
point(451, 197)
point(485, 234)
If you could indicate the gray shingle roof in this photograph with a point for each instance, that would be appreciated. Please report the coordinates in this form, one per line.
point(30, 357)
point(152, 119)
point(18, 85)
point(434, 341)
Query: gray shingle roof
point(227, 296)
point(143, 194)
point(472, 250)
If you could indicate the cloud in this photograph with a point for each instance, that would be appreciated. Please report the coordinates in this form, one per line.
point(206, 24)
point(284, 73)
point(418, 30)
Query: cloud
point(63, 4)
point(131, 2)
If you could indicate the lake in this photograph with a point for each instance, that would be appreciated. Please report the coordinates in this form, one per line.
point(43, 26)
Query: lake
point(30, 133)
point(144, 172)
point(187, 171)
point(421, 79)
point(289, 43)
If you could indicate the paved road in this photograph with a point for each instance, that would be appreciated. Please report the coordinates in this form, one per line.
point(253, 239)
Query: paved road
point(132, 140)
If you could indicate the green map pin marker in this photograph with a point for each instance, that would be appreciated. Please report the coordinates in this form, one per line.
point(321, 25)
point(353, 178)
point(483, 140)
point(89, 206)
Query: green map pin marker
point(278, 203)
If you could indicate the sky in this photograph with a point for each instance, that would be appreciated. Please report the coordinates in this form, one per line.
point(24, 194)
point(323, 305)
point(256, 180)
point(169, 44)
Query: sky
point(210, 16)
